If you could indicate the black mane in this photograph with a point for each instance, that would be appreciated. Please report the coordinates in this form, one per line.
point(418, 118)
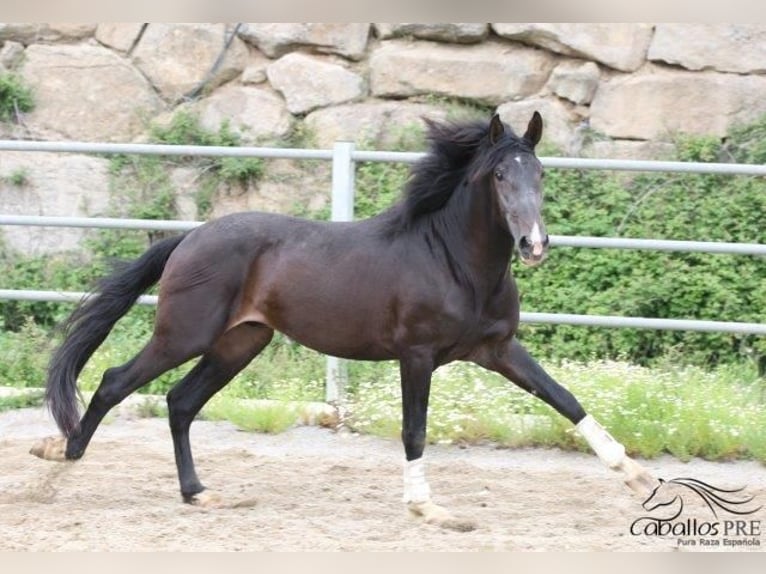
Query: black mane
point(455, 151)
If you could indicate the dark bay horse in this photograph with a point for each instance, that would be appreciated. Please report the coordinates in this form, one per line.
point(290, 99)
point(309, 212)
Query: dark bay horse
point(425, 283)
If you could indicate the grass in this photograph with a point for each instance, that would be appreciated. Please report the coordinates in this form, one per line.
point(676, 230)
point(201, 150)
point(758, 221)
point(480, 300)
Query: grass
point(21, 401)
point(15, 97)
point(270, 418)
point(716, 414)
point(18, 177)
point(687, 412)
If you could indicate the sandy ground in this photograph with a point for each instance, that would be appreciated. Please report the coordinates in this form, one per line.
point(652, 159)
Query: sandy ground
point(315, 489)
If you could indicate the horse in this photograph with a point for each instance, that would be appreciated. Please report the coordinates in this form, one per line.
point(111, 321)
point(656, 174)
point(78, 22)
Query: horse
point(730, 500)
point(425, 282)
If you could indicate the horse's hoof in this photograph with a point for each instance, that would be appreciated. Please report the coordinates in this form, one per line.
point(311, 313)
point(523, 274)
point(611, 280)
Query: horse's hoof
point(51, 448)
point(206, 499)
point(439, 516)
point(638, 478)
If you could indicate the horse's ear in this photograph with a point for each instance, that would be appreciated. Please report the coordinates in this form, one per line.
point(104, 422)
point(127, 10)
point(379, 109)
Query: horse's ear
point(534, 129)
point(496, 129)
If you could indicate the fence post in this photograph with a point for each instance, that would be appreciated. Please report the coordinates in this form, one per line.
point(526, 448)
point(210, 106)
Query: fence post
point(342, 210)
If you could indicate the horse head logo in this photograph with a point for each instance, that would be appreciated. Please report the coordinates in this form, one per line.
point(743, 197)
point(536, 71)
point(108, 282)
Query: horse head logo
point(664, 495)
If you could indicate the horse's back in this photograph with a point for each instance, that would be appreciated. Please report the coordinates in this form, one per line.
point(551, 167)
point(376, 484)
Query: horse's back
point(321, 283)
point(344, 289)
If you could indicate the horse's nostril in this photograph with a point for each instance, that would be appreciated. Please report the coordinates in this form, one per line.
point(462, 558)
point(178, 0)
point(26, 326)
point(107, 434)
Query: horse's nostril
point(546, 241)
point(524, 243)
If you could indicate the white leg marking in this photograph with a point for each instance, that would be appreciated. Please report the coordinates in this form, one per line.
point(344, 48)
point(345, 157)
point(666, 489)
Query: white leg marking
point(417, 496)
point(536, 239)
point(612, 454)
point(416, 487)
point(604, 445)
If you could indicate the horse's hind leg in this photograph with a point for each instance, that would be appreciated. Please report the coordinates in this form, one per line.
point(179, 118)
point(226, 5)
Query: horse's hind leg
point(119, 382)
point(228, 356)
point(157, 357)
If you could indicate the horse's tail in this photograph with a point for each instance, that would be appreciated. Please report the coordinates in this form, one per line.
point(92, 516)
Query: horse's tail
point(90, 323)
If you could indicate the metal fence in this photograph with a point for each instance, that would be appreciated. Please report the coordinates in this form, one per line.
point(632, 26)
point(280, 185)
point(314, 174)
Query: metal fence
point(344, 156)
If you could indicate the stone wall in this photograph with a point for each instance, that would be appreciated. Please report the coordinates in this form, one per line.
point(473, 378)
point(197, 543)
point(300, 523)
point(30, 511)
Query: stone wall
point(608, 90)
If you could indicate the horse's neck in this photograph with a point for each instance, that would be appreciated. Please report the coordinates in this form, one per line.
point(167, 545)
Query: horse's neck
point(486, 244)
point(487, 233)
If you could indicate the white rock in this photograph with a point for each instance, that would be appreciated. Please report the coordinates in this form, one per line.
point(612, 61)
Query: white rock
point(376, 125)
point(559, 122)
point(575, 81)
point(491, 72)
point(309, 82)
point(177, 57)
point(737, 48)
point(620, 46)
point(659, 103)
point(275, 40)
point(85, 92)
point(467, 33)
point(45, 32)
point(256, 113)
point(119, 36)
point(66, 185)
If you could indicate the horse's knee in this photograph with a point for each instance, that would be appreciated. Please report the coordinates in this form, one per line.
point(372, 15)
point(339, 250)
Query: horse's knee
point(110, 391)
point(414, 443)
point(181, 412)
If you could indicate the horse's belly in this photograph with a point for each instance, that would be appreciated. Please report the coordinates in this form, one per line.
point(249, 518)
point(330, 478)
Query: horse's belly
point(338, 334)
point(342, 324)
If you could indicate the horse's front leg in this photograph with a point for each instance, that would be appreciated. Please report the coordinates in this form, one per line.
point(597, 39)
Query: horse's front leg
point(416, 385)
point(512, 360)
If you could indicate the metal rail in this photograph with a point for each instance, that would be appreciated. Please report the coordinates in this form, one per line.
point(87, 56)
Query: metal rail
point(364, 155)
point(343, 157)
point(341, 214)
point(550, 318)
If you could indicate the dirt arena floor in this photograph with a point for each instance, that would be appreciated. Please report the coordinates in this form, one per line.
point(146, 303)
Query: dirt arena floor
point(315, 489)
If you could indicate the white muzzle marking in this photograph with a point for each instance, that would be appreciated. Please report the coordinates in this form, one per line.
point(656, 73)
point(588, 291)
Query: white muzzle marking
point(536, 239)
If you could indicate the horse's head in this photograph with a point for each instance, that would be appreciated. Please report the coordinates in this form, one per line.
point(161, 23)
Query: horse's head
point(516, 177)
point(660, 496)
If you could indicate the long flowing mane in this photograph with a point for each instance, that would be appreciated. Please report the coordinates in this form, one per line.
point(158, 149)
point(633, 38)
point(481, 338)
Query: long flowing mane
point(455, 150)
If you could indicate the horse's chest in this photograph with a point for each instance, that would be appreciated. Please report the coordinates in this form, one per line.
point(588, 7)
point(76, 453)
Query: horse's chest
point(461, 332)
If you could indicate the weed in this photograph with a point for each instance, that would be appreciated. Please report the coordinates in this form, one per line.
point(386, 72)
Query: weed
point(24, 356)
point(15, 97)
point(17, 178)
point(686, 411)
point(151, 407)
point(22, 401)
point(265, 418)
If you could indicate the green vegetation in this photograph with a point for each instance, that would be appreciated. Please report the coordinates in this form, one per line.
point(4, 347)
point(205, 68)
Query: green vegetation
point(689, 394)
point(21, 401)
point(17, 178)
point(15, 97)
point(648, 283)
point(270, 418)
point(141, 187)
point(377, 185)
point(144, 185)
point(685, 411)
point(150, 407)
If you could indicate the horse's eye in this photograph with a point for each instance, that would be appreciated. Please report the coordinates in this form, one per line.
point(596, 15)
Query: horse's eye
point(499, 175)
